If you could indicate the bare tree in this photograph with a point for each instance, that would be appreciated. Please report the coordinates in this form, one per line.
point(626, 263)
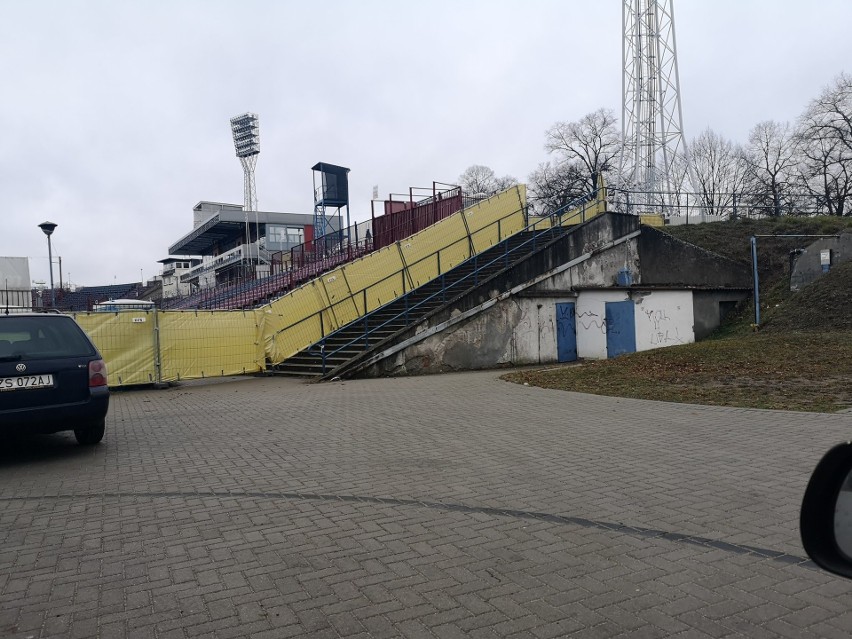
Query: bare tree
point(771, 159)
point(825, 143)
point(719, 170)
point(481, 180)
point(591, 143)
point(553, 186)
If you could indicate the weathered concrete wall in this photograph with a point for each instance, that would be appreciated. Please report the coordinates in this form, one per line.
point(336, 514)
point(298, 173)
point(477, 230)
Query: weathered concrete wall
point(600, 270)
point(808, 267)
point(663, 318)
point(478, 330)
point(711, 307)
point(521, 330)
point(667, 261)
point(518, 331)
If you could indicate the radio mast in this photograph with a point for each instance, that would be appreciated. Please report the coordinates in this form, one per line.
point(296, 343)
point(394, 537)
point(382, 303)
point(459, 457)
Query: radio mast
point(654, 157)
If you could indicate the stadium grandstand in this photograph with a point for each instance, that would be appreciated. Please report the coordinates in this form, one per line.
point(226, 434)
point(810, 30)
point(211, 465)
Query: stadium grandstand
point(229, 273)
point(212, 266)
point(84, 298)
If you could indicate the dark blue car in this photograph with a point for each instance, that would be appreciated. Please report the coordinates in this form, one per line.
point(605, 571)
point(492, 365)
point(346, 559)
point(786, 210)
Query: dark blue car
point(52, 377)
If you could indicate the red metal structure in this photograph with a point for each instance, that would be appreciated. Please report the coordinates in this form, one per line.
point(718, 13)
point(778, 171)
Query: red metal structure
point(402, 218)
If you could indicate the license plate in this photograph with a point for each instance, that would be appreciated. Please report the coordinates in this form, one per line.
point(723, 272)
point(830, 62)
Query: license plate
point(23, 382)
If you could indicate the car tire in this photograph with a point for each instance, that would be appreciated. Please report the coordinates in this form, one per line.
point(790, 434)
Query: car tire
point(90, 435)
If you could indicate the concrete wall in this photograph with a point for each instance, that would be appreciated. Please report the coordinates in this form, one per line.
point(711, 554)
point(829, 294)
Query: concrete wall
point(516, 331)
point(667, 261)
point(663, 318)
point(807, 267)
point(521, 328)
point(711, 307)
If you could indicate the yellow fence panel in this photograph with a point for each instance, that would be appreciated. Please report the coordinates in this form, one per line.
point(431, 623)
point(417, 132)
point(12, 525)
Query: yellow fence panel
point(586, 211)
point(495, 208)
point(450, 233)
point(379, 275)
point(127, 342)
point(293, 322)
point(336, 287)
point(423, 270)
point(198, 344)
point(652, 219)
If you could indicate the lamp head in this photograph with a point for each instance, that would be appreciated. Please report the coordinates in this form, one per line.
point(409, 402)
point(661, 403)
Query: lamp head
point(47, 227)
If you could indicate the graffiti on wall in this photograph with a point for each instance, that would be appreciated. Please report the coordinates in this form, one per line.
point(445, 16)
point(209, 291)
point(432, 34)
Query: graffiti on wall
point(590, 320)
point(663, 329)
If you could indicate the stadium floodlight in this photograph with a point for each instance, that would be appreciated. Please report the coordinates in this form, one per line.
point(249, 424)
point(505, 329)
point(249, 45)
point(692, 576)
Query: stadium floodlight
point(245, 129)
point(246, 132)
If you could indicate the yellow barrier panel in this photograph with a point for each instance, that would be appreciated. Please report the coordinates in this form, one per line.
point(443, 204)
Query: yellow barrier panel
point(292, 322)
point(338, 293)
point(652, 219)
point(450, 240)
point(209, 344)
point(127, 342)
point(376, 274)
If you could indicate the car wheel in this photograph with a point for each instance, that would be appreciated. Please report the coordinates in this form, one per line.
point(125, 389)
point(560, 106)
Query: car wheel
point(91, 434)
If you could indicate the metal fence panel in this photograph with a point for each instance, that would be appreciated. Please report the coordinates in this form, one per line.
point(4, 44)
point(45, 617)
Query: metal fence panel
point(293, 322)
point(127, 342)
point(198, 344)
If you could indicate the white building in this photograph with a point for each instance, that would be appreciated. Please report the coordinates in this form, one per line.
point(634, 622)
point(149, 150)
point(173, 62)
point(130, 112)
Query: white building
point(170, 276)
point(15, 284)
point(218, 242)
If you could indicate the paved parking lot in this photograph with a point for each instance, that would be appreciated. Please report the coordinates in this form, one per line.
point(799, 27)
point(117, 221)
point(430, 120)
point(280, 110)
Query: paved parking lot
point(445, 506)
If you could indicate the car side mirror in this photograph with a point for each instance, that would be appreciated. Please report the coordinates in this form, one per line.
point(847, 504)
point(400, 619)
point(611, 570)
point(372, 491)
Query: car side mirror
point(825, 521)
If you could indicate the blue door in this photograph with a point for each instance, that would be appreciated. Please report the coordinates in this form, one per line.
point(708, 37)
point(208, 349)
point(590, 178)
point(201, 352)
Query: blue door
point(566, 332)
point(620, 328)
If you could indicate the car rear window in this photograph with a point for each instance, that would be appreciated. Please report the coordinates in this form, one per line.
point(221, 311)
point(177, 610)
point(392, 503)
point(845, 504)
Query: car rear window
point(42, 338)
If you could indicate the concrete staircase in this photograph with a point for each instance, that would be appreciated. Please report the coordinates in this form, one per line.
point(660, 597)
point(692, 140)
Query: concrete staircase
point(330, 356)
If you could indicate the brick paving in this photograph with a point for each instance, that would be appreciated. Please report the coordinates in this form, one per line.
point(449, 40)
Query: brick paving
point(445, 506)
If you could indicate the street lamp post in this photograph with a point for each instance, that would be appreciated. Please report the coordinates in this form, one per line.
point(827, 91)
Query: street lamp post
point(47, 228)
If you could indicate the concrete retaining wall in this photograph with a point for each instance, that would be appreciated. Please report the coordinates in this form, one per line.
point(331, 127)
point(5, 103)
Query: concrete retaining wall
point(511, 320)
point(808, 268)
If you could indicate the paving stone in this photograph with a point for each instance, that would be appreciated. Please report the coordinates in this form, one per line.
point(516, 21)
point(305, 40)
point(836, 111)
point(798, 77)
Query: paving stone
point(444, 506)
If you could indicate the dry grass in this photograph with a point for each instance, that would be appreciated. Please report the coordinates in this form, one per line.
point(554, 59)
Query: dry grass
point(791, 371)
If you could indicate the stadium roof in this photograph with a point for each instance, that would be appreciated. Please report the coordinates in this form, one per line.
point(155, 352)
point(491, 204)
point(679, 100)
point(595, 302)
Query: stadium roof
point(227, 226)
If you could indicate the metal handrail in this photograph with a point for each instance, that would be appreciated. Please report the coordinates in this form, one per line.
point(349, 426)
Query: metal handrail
point(554, 220)
point(723, 204)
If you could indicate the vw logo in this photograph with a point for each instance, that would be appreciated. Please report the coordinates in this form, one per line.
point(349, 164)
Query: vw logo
point(21, 368)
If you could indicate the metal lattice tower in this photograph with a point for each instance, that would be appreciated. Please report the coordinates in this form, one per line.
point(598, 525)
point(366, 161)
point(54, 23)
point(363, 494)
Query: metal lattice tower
point(654, 156)
point(246, 131)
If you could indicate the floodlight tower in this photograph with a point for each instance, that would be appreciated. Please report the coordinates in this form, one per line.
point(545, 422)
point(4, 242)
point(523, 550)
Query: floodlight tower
point(654, 156)
point(246, 131)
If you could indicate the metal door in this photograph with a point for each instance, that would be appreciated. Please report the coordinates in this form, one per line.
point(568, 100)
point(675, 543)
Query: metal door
point(620, 328)
point(566, 332)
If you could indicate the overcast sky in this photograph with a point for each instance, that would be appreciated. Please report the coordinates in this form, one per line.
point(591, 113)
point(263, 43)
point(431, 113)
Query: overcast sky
point(115, 114)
